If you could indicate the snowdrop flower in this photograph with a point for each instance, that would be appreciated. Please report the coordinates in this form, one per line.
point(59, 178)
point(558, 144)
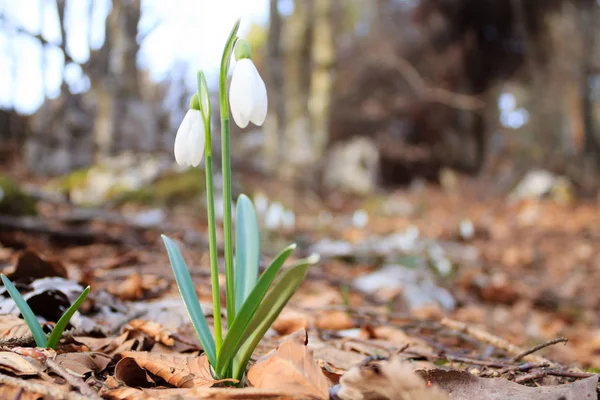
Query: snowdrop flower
point(190, 139)
point(247, 92)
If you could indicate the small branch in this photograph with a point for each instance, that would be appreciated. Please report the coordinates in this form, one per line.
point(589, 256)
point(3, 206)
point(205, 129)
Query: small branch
point(73, 380)
point(539, 347)
point(474, 361)
point(487, 337)
point(531, 376)
point(451, 99)
point(40, 388)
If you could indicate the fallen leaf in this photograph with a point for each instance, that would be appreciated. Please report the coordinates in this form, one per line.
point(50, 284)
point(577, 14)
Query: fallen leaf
point(335, 320)
point(13, 327)
point(31, 265)
point(83, 363)
point(154, 330)
point(385, 379)
point(129, 289)
point(289, 321)
point(179, 371)
point(290, 368)
point(335, 362)
point(17, 364)
point(249, 393)
point(463, 385)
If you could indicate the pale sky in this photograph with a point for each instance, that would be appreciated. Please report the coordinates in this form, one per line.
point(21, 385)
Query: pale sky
point(190, 32)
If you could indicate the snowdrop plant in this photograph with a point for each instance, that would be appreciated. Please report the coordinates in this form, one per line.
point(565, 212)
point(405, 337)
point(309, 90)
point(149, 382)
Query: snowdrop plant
point(253, 300)
point(32, 322)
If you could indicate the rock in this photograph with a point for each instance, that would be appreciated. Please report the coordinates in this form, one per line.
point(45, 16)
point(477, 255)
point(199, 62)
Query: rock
point(353, 166)
point(540, 183)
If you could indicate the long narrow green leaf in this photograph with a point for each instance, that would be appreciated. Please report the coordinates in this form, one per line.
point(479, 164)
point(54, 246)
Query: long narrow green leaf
point(268, 311)
point(60, 326)
point(247, 249)
point(32, 322)
point(192, 304)
point(232, 340)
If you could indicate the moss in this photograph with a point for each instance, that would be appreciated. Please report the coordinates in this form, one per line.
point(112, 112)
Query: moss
point(168, 189)
point(75, 180)
point(13, 200)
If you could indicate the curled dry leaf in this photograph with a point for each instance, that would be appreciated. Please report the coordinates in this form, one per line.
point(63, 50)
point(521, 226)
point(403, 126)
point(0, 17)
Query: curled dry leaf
point(155, 330)
point(463, 386)
point(13, 328)
point(335, 362)
point(83, 363)
point(31, 265)
point(385, 379)
point(127, 393)
point(17, 365)
point(291, 368)
point(179, 371)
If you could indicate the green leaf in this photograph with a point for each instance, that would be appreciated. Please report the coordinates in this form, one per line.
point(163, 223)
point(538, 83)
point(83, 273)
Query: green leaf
point(64, 320)
point(232, 340)
point(34, 326)
point(192, 304)
point(246, 250)
point(268, 311)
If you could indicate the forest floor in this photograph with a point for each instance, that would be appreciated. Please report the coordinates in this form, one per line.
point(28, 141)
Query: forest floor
point(481, 296)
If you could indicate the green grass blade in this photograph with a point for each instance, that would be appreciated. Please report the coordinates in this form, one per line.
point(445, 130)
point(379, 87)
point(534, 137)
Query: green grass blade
point(60, 326)
point(32, 322)
point(247, 249)
point(192, 304)
point(232, 340)
point(268, 311)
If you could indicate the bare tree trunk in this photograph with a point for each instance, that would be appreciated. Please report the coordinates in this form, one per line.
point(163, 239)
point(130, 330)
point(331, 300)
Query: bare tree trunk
point(589, 15)
point(274, 146)
point(319, 102)
point(297, 75)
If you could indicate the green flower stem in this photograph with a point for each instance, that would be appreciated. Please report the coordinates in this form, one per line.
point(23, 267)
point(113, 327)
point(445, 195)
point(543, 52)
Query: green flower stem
point(226, 162)
point(210, 208)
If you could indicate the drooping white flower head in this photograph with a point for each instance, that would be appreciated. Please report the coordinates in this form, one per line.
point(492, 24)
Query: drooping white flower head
point(247, 93)
point(190, 139)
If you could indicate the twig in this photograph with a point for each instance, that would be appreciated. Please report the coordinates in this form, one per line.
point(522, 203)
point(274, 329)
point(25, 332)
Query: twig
point(539, 347)
point(73, 380)
point(570, 374)
point(487, 337)
point(40, 388)
point(440, 95)
point(474, 361)
point(541, 373)
point(531, 376)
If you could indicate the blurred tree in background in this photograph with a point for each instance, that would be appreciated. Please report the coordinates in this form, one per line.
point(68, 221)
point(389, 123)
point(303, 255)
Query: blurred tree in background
point(361, 93)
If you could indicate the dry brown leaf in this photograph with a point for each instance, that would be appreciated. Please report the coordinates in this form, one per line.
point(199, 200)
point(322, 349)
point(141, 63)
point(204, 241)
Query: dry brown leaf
point(336, 362)
point(290, 368)
point(127, 393)
point(13, 327)
point(465, 386)
point(154, 330)
point(31, 265)
point(289, 321)
point(179, 371)
point(17, 364)
point(129, 289)
point(387, 379)
point(84, 362)
point(335, 320)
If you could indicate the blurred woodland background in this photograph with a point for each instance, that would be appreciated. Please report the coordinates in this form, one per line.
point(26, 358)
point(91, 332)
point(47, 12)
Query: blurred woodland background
point(362, 93)
point(442, 156)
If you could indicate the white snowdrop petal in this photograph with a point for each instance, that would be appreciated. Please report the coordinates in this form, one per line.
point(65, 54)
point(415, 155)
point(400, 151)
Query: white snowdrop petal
point(180, 148)
point(240, 92)
point(197, 143)
point(259, 94)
